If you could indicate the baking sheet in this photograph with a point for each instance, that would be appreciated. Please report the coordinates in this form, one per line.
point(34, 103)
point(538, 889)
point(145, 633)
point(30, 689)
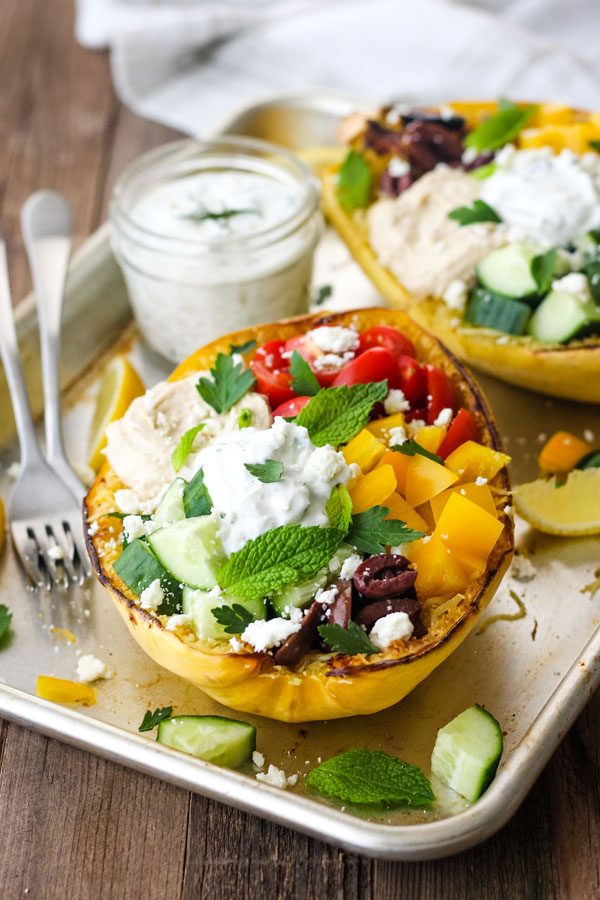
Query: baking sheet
point(534, 674)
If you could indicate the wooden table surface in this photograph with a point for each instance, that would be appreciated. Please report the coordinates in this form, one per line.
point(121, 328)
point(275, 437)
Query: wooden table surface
point(75, 826)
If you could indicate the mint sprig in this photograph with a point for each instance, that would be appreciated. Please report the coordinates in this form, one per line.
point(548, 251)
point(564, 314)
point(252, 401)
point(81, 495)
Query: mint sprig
point(339, 508)
point(234, 618)
point(354, 182)
point(278, 557)
point(304, 382)
point(479, 212)
point(542, 269)
point(499, 128)
point(350, 641)
point(268, 472)
point(412, 448)
point(371, 532)
point(362, 776)
point(228, 384)
point(335, 415)
point(242, 348)
point(183, 448)
point(5, 619)
point(151, 719)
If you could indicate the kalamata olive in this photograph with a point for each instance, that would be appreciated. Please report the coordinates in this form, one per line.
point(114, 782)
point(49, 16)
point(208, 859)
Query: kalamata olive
point(452, 123)
point(385, 575)
point(307, 638)
point(382, 140)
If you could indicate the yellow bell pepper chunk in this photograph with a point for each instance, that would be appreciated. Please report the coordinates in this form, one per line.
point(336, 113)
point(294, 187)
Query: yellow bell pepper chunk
point(439, 572)
point(551, 114)
point(595, 119)
point(364, 450)
point(60, 690)
point(546, 136)
point(372, 489)
point(474, 111)
point(400, 509)
point(468, 531)
point(425, 478)
point(65, 633)
point(399, 463)
point(477, 493)
point(562, 452)
point(430, 437)
point(381, 427)
point(471, 461)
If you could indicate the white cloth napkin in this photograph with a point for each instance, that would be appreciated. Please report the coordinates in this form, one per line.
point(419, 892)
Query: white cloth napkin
point(190, 63)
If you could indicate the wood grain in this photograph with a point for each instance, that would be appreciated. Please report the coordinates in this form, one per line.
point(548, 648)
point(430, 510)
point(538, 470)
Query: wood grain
point(74, 826)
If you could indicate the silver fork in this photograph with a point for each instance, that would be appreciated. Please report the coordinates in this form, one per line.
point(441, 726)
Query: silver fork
point(44, 513)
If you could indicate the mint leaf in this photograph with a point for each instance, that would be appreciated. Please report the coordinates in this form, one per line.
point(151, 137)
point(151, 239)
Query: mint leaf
point(335, 415)
point(595, 145)
point(323, 294)
point(483, 172)
point(354, 182)
point(350, 641)
point(542, 269)
point(339, 508)
point(276, 558)
point(5, 619)
point(412, 448)
point(245, 418)
point(242, 348)
point(196, 499)
point(499, 128)
point(228, 384)
point(372, 776)
point(268, 472)
point(371, 532)
point(234, 618)
point(303, 379)
point(183, 448)
point(151, 719)
point(479, 212)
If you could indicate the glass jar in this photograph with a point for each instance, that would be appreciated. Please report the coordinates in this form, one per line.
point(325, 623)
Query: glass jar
point(213, 236)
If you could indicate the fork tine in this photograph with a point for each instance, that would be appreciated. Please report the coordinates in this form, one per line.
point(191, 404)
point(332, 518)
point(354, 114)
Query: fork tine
point(28, 552)
point(58, 563)
point(68, 559)
point(85, 568)
point(44, 544)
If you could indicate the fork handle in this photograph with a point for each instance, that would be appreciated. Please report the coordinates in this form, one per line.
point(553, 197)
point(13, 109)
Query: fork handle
point(9, 349)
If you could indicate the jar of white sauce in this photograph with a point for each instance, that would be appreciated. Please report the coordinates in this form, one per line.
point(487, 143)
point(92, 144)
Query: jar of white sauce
point(213, 236)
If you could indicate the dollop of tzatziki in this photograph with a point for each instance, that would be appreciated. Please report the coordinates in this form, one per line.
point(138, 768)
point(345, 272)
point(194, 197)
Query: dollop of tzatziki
point(248, 507)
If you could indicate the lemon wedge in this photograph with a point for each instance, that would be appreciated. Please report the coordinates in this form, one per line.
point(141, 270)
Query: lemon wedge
point(119, 386)
point(571, 509)
point(2, 525)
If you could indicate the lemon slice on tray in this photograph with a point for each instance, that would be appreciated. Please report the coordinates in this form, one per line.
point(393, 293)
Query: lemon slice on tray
point(119, 386)
point(572, 508)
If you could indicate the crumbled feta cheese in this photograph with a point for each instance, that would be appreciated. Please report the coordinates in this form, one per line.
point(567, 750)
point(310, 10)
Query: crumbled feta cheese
point(508, 509)
point(178, 620)
point(503, 339)
point(588, 434)
point(293, 613)
point(331, 361)
point(413, 428)
point(327, 597)
point(397, 167)
point(394, 627)
point(426, 539)
point(235, 645)
point(397, 435)
point(334, 338)
point(89, 668)
point(354, 472)
point(292, 779)
point(444, 417)
point(574, 283)
point(56, 552)
point(522, 568)
point(258, 759)
point(14, 470)
point(93, 528)
point(324, 464)
point(480, 481)
point(128, 501)
point(469, 155)
point(152, 596)
point(350, 566)
point(395, 402)
point(263, 634)
point(134, 527)
point(273, 776)
point(455, 295)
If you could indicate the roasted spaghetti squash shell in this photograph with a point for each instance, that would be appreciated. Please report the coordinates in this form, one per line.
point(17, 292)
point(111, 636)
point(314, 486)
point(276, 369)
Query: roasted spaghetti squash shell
point(323, 686)
point(561, 370)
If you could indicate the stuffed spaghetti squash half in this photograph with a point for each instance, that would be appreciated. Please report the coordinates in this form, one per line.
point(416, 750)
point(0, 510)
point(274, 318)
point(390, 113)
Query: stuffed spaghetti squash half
point(307, 517)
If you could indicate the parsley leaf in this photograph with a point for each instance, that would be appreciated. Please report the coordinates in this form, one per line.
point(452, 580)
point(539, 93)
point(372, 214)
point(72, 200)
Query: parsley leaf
point(196, 499)
point(234, 618)
point(499, 128)
point(479, 212)
point(372, 776)
point(5, 619)
point(242, 348)
point(303, 379)
point(371, 532)
point(323, 294)
point(278, 557)
point(412, 448)
point(151, 719)
point(354, 182)
point(595, 145)
point(245, 418)
point(268, 472)
point(350, 641)
point(339, 508)
point(223, 216)
point(183, 448)
point(335, 415)
point(483, 172)
point(228, 384)
point(542, 269)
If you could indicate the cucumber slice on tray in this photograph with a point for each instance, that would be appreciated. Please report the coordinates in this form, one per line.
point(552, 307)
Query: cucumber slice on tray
point(467, 752)
point(226, 742)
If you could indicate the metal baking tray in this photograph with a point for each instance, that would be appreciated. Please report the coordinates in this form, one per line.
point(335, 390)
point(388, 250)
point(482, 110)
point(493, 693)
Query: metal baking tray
point(535, 674)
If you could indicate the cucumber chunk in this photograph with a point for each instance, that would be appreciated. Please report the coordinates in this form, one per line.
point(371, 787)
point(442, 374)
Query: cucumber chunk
point(200, 604)
point(508, 270)
point(226, 742)
point(138, 568)
point(170, 509)
point(301, 595)
point(491, 310)
point(467, 752)
point(190, 550)
point(562, 317)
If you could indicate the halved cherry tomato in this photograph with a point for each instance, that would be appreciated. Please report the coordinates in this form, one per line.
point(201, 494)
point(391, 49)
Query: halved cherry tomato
point(439, 393)
point(389, 338)
point(271, 355)
point(291, 407)
point(309, 351)
point(412, 380)
point(462, 429)
point(375, 364)
point(272, 374)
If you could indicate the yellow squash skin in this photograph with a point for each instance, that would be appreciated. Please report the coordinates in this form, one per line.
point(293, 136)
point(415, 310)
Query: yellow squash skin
point(571, 371)
point(250, 682)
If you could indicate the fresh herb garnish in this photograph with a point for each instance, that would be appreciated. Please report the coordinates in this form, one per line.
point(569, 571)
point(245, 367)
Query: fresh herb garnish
point(542, 270)
point(323, 294)
point(268, 472)
point(278, 557)
point(339, 508)
point(245, 418)
point(499, 128)
point(595, 145)
point(371, 532)
point(479, 212)
point(196, 499)
point(151, 719)
point(5, 619)
point(228, 384)
point(234, 618)
point(412, 448)
point(183, 448)
point(354, 182)
point(483, 172)
point(350, 641)
point(304, 382)
point(222, 216)
point(372, 776)
point(335, 415)
point(242, 348)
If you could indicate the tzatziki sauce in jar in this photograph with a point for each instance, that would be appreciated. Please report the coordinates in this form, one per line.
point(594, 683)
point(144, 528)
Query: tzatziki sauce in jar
point(213, 236)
